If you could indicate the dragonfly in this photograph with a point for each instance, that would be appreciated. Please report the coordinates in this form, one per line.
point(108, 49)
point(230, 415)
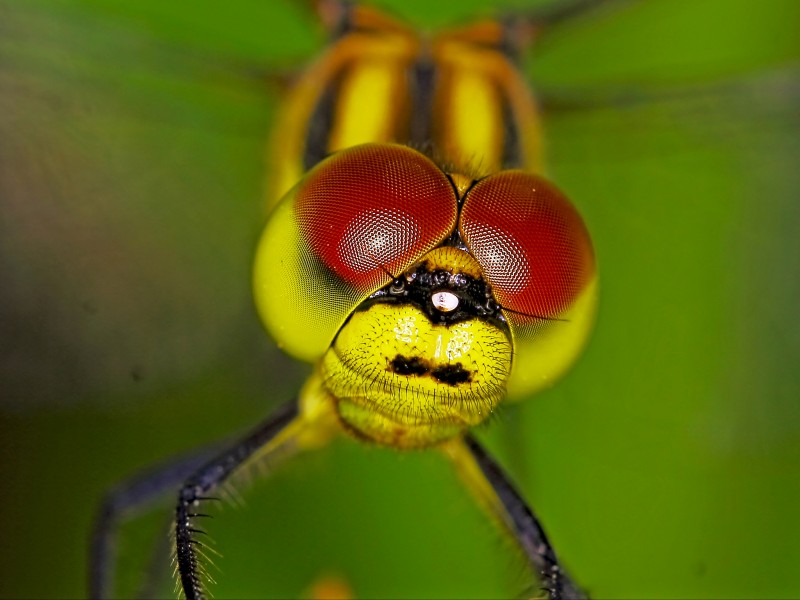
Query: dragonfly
point(426, 285)
point(544, 437)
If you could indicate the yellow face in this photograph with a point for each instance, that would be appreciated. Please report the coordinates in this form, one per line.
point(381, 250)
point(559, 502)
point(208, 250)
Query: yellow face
point(418, 364)
point(425, 297)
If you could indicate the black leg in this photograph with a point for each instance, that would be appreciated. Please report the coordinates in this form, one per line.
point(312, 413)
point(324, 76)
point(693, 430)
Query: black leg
point(120, 502)
point(497, 494)
point(205, 479)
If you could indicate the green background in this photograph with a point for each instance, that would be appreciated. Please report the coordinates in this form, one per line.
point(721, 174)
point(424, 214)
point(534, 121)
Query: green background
point(132, 137)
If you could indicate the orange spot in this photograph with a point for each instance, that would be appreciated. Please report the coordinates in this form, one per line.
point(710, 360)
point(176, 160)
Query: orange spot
point(330, 587)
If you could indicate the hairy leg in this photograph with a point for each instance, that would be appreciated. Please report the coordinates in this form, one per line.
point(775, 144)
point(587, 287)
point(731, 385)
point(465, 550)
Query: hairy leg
point(495, 492)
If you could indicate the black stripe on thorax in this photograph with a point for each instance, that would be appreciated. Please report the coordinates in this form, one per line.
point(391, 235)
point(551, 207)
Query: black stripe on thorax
point(512, 156)
point(422, 80)
point(320, 124)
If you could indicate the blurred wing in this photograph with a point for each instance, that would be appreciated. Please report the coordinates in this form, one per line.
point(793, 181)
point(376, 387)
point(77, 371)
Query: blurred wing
point(678, 142)
point(130, 191)
point(132, 165)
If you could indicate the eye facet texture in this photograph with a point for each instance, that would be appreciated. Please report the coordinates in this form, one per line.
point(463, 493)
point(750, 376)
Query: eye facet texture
point(373, 210)
point(531, 242)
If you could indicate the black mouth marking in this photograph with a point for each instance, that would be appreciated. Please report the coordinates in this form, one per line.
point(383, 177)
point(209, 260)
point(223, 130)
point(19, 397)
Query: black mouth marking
point(414, 365)
point(452, 374)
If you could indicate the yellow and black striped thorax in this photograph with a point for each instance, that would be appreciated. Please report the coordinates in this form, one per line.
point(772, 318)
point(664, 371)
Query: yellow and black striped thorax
point(458, 96)
point(414, 251)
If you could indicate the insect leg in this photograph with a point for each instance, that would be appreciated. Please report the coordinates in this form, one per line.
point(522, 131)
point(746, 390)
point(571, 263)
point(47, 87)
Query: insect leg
point(498, 495)
point(290, 429)
point(132, 495)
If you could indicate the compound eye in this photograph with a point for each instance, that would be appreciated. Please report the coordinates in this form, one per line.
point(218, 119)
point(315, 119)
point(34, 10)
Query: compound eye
point(530, 241)
point(372, 210)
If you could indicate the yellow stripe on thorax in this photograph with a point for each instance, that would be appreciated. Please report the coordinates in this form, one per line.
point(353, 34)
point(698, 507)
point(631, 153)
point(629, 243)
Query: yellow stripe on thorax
point(370, 71)
point(355, 62)
point(369, 104)
point(474, 123)
point(469, 123)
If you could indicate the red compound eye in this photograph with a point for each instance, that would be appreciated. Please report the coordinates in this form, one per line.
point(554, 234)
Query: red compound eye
point(372, 209)
point(530, 241)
